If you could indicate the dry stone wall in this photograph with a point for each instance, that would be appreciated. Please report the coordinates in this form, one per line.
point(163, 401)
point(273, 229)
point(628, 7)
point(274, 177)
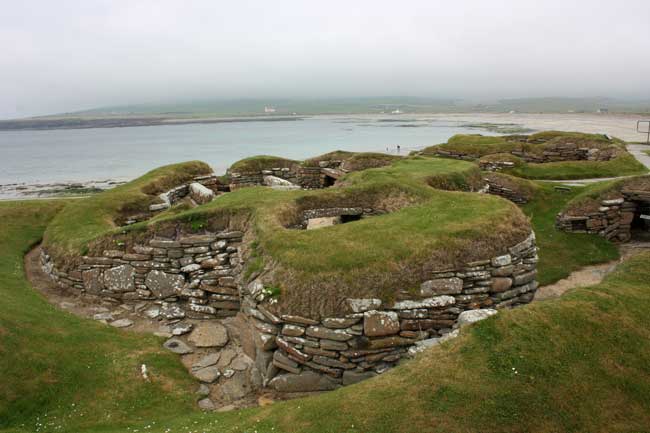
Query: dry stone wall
point(297, 353)
point(191, 276)
point(200, 277)
point(496, 188)
point(305, 177)
point(202, 190)
point(613, 219)
point(551, 153)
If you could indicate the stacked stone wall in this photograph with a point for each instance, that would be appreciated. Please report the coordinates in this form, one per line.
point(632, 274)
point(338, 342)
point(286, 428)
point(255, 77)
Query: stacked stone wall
point(297, 353)
point(305, 177)
point(192, 276)
point(612, 220)
point(554, 153)
point(200, 277)
point(495, 188)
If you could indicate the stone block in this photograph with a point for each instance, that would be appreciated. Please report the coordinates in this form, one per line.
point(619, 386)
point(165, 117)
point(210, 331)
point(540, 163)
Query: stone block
point(501, 284)
point(93, 280)
point(307, 381)
point(441, 286)
point(164, 285)
point(380, 323)
point(120, 278)
point(329, 334)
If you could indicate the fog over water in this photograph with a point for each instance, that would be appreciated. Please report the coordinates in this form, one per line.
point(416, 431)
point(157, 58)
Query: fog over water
point(69, 55)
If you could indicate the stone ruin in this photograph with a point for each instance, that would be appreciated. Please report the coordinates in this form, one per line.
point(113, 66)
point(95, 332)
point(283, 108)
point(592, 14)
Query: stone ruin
point(192, 282)
point(200, 277)
point(617, 219)
point(324, 175)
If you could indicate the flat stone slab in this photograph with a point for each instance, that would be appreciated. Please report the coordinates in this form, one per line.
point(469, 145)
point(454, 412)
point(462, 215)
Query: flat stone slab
point(181, 328)
point(208, 334)
point(306, 381)
point(472, 316)
point(207, 374)
point(122, 323)
point(178, 346)
point(319, 223)
point(206, 404)
point(206, 361)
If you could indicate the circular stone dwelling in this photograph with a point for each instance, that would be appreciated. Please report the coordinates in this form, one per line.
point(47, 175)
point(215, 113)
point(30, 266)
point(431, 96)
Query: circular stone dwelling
point(336, 268)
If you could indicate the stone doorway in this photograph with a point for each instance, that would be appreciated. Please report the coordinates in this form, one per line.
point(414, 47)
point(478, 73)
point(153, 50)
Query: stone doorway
point(640, 226)
point(328, 181)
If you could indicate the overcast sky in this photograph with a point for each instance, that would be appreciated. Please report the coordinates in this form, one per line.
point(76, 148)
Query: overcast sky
point(69, 55)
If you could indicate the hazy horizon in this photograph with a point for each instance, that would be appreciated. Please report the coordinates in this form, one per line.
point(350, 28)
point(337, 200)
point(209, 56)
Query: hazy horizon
point(68, 56)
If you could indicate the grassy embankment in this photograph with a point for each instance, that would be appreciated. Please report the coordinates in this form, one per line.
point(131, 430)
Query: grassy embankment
point(561, 253)
point(576, 364)
point(477, 147)
point(58, 369)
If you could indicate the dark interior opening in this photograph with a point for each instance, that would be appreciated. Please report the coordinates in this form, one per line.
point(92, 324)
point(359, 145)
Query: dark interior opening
point(580, 225)
point(328, 181)
point(640, 227)
point(349, 218)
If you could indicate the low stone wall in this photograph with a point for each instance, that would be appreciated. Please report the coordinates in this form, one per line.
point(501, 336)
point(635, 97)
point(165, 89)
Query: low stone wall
point(191, 275)
point(305, 177)
point(612, 220)
point(200, 277)
point(495, 188)
point(168, 198)
point(495, 165)
point(296, 353)
point(553, 153)
point(311, 214)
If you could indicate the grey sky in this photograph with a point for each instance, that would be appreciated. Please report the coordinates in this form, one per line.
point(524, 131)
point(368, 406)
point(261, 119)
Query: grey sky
point(67, 55)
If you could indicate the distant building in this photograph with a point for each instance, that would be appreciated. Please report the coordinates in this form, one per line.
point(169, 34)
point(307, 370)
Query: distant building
point(398, 111)
point(269, 110)
point(603, 110)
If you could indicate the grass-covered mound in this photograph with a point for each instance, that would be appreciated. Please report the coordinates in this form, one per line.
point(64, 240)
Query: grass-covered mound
point(349, 161)
point(622, 165)
point(521, 187)
point(258, 163)
point(575, 364)
point(614, 159)
point(85, 220)
point(589, 200)
point(425, 229)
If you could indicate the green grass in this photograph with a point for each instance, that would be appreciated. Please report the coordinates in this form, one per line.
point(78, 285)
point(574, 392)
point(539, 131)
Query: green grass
point(84, 220)
point(476, 145)
point(575, 364)
point(623, 165)
point(255, 164)
point(561, 253)
point(426, 229)
point(58, 368)
point(491, 148)
point(589, 200)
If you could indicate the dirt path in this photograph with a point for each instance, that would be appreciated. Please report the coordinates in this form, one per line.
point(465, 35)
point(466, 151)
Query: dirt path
point(590, 275)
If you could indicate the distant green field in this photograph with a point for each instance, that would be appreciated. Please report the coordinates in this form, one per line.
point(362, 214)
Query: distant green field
point(359, 105)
